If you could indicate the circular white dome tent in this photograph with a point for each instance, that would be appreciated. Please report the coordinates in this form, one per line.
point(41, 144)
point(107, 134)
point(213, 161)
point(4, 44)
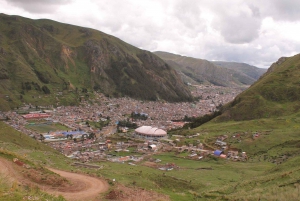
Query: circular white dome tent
point(150, 132)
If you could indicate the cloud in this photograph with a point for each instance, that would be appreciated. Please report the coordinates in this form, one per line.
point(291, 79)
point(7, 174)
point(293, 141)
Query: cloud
point(262, 53)
point(287, 10)
point(188, 13)
point(256, 32)
point(239, 24)
point(38, 6)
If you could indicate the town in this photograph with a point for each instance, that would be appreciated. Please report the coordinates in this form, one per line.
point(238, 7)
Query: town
point(93, 131)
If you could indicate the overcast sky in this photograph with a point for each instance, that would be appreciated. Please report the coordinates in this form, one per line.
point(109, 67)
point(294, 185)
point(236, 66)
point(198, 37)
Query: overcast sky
point(256, 32)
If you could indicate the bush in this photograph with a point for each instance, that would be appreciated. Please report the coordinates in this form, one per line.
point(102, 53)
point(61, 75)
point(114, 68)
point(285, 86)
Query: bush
point(202, 120)
point(46, 90)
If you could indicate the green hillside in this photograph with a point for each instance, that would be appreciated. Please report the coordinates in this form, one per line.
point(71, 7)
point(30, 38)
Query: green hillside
point(15, 144)
point(263, 122)
point(242, 68)
point(40, 58)
point(199, 71)
point(271, 171)
point(275, 94)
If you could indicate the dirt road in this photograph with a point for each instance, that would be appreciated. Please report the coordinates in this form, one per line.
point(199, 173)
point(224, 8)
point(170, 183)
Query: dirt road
point(82, 187)
point(87, 187)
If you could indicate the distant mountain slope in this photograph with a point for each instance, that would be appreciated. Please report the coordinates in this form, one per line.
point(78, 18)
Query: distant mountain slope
point(203, 71)
point(40, 58)
point(247, 69)
point(275, 94)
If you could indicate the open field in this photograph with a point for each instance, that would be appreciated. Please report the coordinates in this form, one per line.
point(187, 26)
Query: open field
point(45, 127)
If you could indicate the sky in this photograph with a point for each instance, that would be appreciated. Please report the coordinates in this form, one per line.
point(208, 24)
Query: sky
point(257, 32)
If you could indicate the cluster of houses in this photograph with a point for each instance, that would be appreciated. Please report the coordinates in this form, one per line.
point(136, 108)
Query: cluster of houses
point(157, 115)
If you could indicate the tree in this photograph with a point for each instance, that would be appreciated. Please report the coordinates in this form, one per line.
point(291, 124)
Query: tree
point(92, 136)
point(42, 138)
point(46, 90)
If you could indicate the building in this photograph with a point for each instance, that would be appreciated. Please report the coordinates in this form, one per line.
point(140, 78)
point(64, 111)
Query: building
point(149, 132)
point(36, 116)
point(218, 152)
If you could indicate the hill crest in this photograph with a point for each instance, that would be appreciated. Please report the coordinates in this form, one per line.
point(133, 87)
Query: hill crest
point(275, 94)
point(200, 71)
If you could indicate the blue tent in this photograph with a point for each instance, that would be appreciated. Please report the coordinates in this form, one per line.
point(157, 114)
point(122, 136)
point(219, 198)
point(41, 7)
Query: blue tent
point(218, 152)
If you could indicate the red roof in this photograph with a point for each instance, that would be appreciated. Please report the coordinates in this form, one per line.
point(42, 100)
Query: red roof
point(35, 116)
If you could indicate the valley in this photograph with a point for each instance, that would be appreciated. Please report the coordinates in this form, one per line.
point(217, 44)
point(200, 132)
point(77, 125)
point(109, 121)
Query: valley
point(85, 115)
point(186, 158)
point(190, 162)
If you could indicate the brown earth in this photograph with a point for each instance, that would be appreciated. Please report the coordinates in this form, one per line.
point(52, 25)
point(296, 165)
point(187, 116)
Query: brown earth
point(83, 188)
point(72, 186)
point(151, 164)
point(123, 193)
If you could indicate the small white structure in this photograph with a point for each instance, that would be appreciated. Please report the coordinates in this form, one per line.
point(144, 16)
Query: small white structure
point(152, 146)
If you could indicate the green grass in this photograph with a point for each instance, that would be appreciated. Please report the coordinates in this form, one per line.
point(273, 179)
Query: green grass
point(18, 140)
point(218, 179)
point(275, 94)
point(32, 150)
point(192, 179)
point(18, 145)
point(99, 124)
point(273, 159)
point(10, 191)
point(43, 127)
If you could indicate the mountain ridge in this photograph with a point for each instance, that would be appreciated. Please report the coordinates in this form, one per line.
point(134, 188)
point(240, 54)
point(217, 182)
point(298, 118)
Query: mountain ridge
point(42, 57)
point(206, 72)
point(251, 71)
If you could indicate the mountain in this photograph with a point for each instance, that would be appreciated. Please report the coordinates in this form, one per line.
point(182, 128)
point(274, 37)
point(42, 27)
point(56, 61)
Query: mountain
point(201, 71)
point(47, 62)
point(275, 94)
point(251, 71)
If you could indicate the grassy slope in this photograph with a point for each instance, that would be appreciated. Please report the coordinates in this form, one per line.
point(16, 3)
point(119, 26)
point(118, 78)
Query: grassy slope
point(202, 71)
point(271, 172)
point(17, 145)
point(28, 50)
point(247, 69)
point(275, 94)
point(272, 104)
point(62, 57)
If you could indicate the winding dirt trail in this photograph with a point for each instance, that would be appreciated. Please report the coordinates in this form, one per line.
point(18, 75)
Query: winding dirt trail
point(82, 187)
point(88, 188)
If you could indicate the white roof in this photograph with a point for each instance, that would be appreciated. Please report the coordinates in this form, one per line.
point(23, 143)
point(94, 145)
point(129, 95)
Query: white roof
point(152, 146)
point(148, 130)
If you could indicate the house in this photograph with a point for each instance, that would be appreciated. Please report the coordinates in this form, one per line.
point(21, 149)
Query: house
point(218, 153)
point(220, 143)
point(152, 146)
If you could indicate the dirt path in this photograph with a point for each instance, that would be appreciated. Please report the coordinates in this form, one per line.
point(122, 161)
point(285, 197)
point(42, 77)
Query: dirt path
point(89, 187)
point(82, 187)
